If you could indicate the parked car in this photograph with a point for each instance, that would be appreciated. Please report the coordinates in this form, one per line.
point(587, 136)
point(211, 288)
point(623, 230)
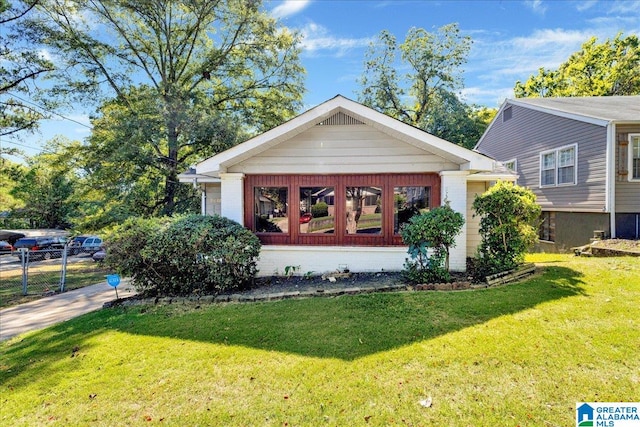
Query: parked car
point(40, 247)
point(91, 245)
point(5, 247)
point(75, 244)
point(100, 255)
point(305, 218)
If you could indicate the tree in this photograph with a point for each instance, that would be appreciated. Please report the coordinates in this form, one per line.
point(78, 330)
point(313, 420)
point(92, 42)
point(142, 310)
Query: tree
point(605, 69)
point(227, 59)
point(47, 187)
point(425, 96)
point(20, 64)
point(508, 226)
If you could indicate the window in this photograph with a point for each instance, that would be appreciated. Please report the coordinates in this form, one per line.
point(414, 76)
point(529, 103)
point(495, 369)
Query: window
point(409, 201)
point(317, 210)
point(558, 167)
point(566, 165)
point(339, 209)
point(634, 156)
point(364, 210)
point(547, 229)
point(512, 165)
point(548, 169)
point(270, 210)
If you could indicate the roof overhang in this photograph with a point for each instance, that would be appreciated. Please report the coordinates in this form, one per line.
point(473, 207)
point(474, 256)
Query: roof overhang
point(467, 159)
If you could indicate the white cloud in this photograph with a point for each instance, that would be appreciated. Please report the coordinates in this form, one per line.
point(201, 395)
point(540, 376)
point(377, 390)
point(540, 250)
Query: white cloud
point(537, 6)
point(316, 38)
point(625, 7)
point(586, 5)
point(289, 7)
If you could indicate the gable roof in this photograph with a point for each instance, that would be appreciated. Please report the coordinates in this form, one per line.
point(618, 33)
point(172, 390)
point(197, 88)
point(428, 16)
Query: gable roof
point(608, 109)
point(468, 159)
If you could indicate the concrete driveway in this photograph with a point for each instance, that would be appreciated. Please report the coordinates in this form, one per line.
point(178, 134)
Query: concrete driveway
point(57, 308)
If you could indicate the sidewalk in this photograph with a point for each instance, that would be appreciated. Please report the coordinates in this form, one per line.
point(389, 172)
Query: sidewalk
point(58, 308)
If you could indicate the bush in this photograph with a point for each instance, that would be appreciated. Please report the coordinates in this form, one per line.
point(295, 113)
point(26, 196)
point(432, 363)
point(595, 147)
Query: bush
point(125, 244)
point(319, 210)
point(508, 227)
point(435, 230)
point(190, 255)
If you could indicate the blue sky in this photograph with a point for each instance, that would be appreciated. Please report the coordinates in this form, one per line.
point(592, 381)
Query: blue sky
point(511, 41)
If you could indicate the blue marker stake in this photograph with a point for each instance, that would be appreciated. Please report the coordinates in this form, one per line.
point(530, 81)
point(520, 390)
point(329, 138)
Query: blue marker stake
point(114, 280)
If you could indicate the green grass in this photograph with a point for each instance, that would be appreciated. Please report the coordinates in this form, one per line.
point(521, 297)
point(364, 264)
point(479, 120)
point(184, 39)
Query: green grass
point(46, 277)
point(518, 355)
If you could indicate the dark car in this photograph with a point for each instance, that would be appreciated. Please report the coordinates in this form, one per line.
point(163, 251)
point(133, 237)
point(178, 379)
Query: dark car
point(40, 247)
point(100, 255)
point(5, 247)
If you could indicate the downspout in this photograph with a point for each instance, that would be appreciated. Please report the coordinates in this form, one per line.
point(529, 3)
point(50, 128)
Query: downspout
point(610, 185)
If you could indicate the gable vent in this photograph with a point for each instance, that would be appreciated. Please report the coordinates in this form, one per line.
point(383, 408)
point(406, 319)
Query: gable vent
point(340, 119)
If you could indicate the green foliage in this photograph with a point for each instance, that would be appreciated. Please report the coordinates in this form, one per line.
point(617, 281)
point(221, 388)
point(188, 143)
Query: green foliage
point(184, 255)
point(174, 82)
point(425, 96)
point(44, 191)
point(605, 69)
point(319, 210)
point(20, 66)
point(508, 226)
point(434, 231)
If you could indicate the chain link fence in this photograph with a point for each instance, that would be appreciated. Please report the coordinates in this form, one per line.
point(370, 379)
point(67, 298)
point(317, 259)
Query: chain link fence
point(26, 275)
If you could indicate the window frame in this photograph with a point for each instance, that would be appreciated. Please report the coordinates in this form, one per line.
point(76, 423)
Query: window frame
point(387, 182)
point(557, 168)
point(633, 137)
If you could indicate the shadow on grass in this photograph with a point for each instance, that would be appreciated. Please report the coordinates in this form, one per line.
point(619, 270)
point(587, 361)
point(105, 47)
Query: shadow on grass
point(347, 327)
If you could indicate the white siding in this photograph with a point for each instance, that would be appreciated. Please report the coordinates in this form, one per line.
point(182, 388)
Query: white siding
point(324, 259)
point(232, 196)
point(343, 149)
point(473, 223)
point(454, 188)
point(213, 200)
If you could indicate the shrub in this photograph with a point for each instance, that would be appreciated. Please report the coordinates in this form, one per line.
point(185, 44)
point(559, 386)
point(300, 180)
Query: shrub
point(434, 231)
point(125, 244)
point(319, 210)
point(508, 226)
point(193, 254)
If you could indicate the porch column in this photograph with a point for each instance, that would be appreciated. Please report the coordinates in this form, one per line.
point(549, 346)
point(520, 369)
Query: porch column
point(453, 187)
point(232, 196)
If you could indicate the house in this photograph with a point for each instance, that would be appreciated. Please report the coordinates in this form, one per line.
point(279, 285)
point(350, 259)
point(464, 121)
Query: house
point(580, 156)
point(340, 179)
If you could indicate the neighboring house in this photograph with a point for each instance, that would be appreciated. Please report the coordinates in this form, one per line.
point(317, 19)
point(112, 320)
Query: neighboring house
point(367, 169)
point(580, 156)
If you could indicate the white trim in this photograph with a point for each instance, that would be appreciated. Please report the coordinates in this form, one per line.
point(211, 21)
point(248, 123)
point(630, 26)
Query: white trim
point(556, 167)
point(515, 164)
point(610, 176)
point(467, 159)
point(630, 157)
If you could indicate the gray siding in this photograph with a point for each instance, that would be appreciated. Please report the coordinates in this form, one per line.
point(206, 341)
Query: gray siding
point(530, 132)
point(627, 192)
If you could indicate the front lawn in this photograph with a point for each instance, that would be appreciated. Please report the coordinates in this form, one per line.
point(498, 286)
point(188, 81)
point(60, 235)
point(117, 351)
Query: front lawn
point(518, 355)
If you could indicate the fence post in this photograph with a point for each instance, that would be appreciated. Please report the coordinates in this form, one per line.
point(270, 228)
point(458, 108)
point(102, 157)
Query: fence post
point(63, 273)
point(24, 262)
